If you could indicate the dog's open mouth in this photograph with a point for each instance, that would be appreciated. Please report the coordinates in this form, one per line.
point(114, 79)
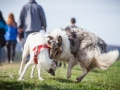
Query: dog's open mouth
point(51, 71)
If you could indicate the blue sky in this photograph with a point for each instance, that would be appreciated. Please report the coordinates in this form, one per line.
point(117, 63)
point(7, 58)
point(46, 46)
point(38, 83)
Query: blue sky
point(101, 17)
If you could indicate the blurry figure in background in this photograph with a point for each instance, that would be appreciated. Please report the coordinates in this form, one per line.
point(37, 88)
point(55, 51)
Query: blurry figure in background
point(11, 38)
point(72, 23)
point(32, 19)
point(21, 40)
point(3, 29)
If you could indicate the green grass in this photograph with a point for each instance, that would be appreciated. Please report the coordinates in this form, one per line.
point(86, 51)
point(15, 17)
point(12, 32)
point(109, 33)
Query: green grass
point(95, 80)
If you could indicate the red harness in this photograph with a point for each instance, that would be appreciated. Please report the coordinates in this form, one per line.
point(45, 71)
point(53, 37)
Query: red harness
point(37, 51)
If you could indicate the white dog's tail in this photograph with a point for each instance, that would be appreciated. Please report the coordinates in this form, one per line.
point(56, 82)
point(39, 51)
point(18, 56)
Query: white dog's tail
point(103, 61)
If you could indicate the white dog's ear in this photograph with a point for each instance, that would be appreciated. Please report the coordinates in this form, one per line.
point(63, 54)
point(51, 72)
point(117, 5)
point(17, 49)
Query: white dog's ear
point(59, 40)
point(54, 64)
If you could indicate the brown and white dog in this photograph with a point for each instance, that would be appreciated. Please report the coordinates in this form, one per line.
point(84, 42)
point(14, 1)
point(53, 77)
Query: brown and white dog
point(34, 41)
point(80, 46)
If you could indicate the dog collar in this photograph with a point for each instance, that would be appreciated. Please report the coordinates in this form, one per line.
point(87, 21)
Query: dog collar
point(37, 51)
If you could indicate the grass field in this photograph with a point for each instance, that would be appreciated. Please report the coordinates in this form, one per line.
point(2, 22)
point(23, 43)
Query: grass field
point(95, 80)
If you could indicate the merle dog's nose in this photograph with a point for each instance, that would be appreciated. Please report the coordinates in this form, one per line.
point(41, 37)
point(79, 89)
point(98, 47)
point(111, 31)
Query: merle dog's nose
point(50, 56)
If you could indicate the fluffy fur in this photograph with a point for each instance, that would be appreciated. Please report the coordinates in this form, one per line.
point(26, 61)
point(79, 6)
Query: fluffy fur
point(44, 62)
point(83, 47)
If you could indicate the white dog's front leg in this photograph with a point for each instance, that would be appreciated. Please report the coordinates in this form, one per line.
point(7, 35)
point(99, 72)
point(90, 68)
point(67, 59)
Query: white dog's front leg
point(25, 69)
point(32, 72)
point(39, 73)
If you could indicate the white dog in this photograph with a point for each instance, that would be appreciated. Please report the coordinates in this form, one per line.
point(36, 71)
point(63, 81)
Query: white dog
point(33, 42)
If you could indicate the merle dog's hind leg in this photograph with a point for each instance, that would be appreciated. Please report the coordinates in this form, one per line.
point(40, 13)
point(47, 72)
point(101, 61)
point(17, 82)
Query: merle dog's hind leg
point(84, 73)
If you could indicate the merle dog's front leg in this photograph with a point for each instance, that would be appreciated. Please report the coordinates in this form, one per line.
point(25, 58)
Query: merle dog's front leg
point(71, 64)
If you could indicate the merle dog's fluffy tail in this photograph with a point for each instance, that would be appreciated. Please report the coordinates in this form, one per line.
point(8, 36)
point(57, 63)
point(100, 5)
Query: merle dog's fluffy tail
point(104, 60)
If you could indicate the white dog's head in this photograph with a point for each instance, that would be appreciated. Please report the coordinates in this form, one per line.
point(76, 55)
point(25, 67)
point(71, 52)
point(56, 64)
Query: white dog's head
point(54, 67)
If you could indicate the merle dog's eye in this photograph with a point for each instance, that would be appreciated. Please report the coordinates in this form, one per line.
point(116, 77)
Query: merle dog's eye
point(56, 49)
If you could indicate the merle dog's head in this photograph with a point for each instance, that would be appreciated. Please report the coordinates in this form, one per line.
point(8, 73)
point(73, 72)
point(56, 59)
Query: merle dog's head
point(55, 44)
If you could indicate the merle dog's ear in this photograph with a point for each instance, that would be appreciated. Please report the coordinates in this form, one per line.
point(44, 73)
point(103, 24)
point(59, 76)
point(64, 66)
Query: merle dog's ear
point(59, 40)
point(50, 37)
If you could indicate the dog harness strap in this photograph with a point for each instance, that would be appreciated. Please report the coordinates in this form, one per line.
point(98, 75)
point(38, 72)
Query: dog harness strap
point(37, 51)
point(35, 55)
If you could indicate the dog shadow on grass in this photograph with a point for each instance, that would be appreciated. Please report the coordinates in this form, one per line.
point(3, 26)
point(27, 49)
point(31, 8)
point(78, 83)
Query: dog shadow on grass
point(97, 71)
point(62, 80)
point(17, 85)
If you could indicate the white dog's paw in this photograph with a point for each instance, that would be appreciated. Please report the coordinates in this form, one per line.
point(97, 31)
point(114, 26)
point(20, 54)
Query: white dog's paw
point(41, 79)
point(20, 79)
point(31, 76)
